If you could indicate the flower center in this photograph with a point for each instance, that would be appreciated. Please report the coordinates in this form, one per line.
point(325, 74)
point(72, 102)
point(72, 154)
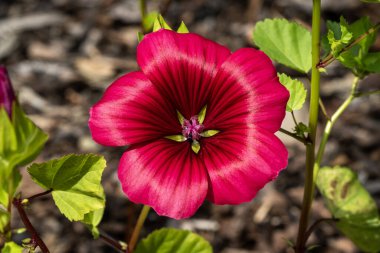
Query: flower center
point(192, 129)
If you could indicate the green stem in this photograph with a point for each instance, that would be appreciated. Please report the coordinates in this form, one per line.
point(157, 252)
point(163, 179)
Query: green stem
point(137, 229)
point(364, 94)
point(143, 11)
point(330, 124)
point(313, 120)
point(330, 58)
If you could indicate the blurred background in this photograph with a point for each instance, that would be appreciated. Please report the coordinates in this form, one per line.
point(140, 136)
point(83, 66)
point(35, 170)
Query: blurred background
point(62, 54)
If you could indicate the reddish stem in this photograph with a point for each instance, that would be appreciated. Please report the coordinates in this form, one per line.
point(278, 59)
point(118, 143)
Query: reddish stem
point(28, 225)
point(39, 195)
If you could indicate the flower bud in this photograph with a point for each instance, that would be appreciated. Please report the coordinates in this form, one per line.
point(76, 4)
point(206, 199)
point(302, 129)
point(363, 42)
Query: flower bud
point(7, 95)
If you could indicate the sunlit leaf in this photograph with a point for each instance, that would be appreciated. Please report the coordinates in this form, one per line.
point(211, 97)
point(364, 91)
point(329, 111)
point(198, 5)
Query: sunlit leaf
point(75, 181)
point(12, 247)
point(353, 58)
point(297, 92)
point(21, 140)
point(338, 35)
point(351, 203)
point(9, 184)
point(169, 240)
point(92, 220)
point(8, 140)
point(286, 42)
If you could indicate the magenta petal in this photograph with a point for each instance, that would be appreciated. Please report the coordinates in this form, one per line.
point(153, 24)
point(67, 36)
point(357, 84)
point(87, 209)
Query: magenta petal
point(247, 86)
point(165, 175)
point(7, 96)
point(182, 67)
point(132, 111)
point(238, 169)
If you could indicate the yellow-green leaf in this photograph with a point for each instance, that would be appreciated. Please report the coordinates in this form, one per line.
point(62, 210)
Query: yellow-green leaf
point(75, 181)
point(12, 247)
point(169, 240)
point(286, 42)
point(297, 92)
point(351, 203)
point(92, 220)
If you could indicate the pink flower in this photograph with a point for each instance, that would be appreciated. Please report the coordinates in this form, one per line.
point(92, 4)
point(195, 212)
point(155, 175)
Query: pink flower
point(198, 120)
point(7, 95)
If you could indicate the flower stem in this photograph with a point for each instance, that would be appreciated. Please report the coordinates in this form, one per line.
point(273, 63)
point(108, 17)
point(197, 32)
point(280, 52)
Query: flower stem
point(313, 120)
point(137, 229)
point(330, 124)
point(28, 225)
point(143, 9)
point(330, 57)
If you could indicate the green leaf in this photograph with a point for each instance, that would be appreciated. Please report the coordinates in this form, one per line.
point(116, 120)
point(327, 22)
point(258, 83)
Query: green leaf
point(354, 57)
point(350, 202)
point(8, 185)
point(338, 35)
point(12, 247)
point(21, 140)
point(160, 23)
point(92, 220)
point(182, 28)
point(4, 220)
point(301, 129)
point(75, 181)
point(296, 90)
point(30, 138)
point(371, 62)
point(149, 20)
point(168, 240)
point(371, 1)
point(286, 42)
point(8, 140)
